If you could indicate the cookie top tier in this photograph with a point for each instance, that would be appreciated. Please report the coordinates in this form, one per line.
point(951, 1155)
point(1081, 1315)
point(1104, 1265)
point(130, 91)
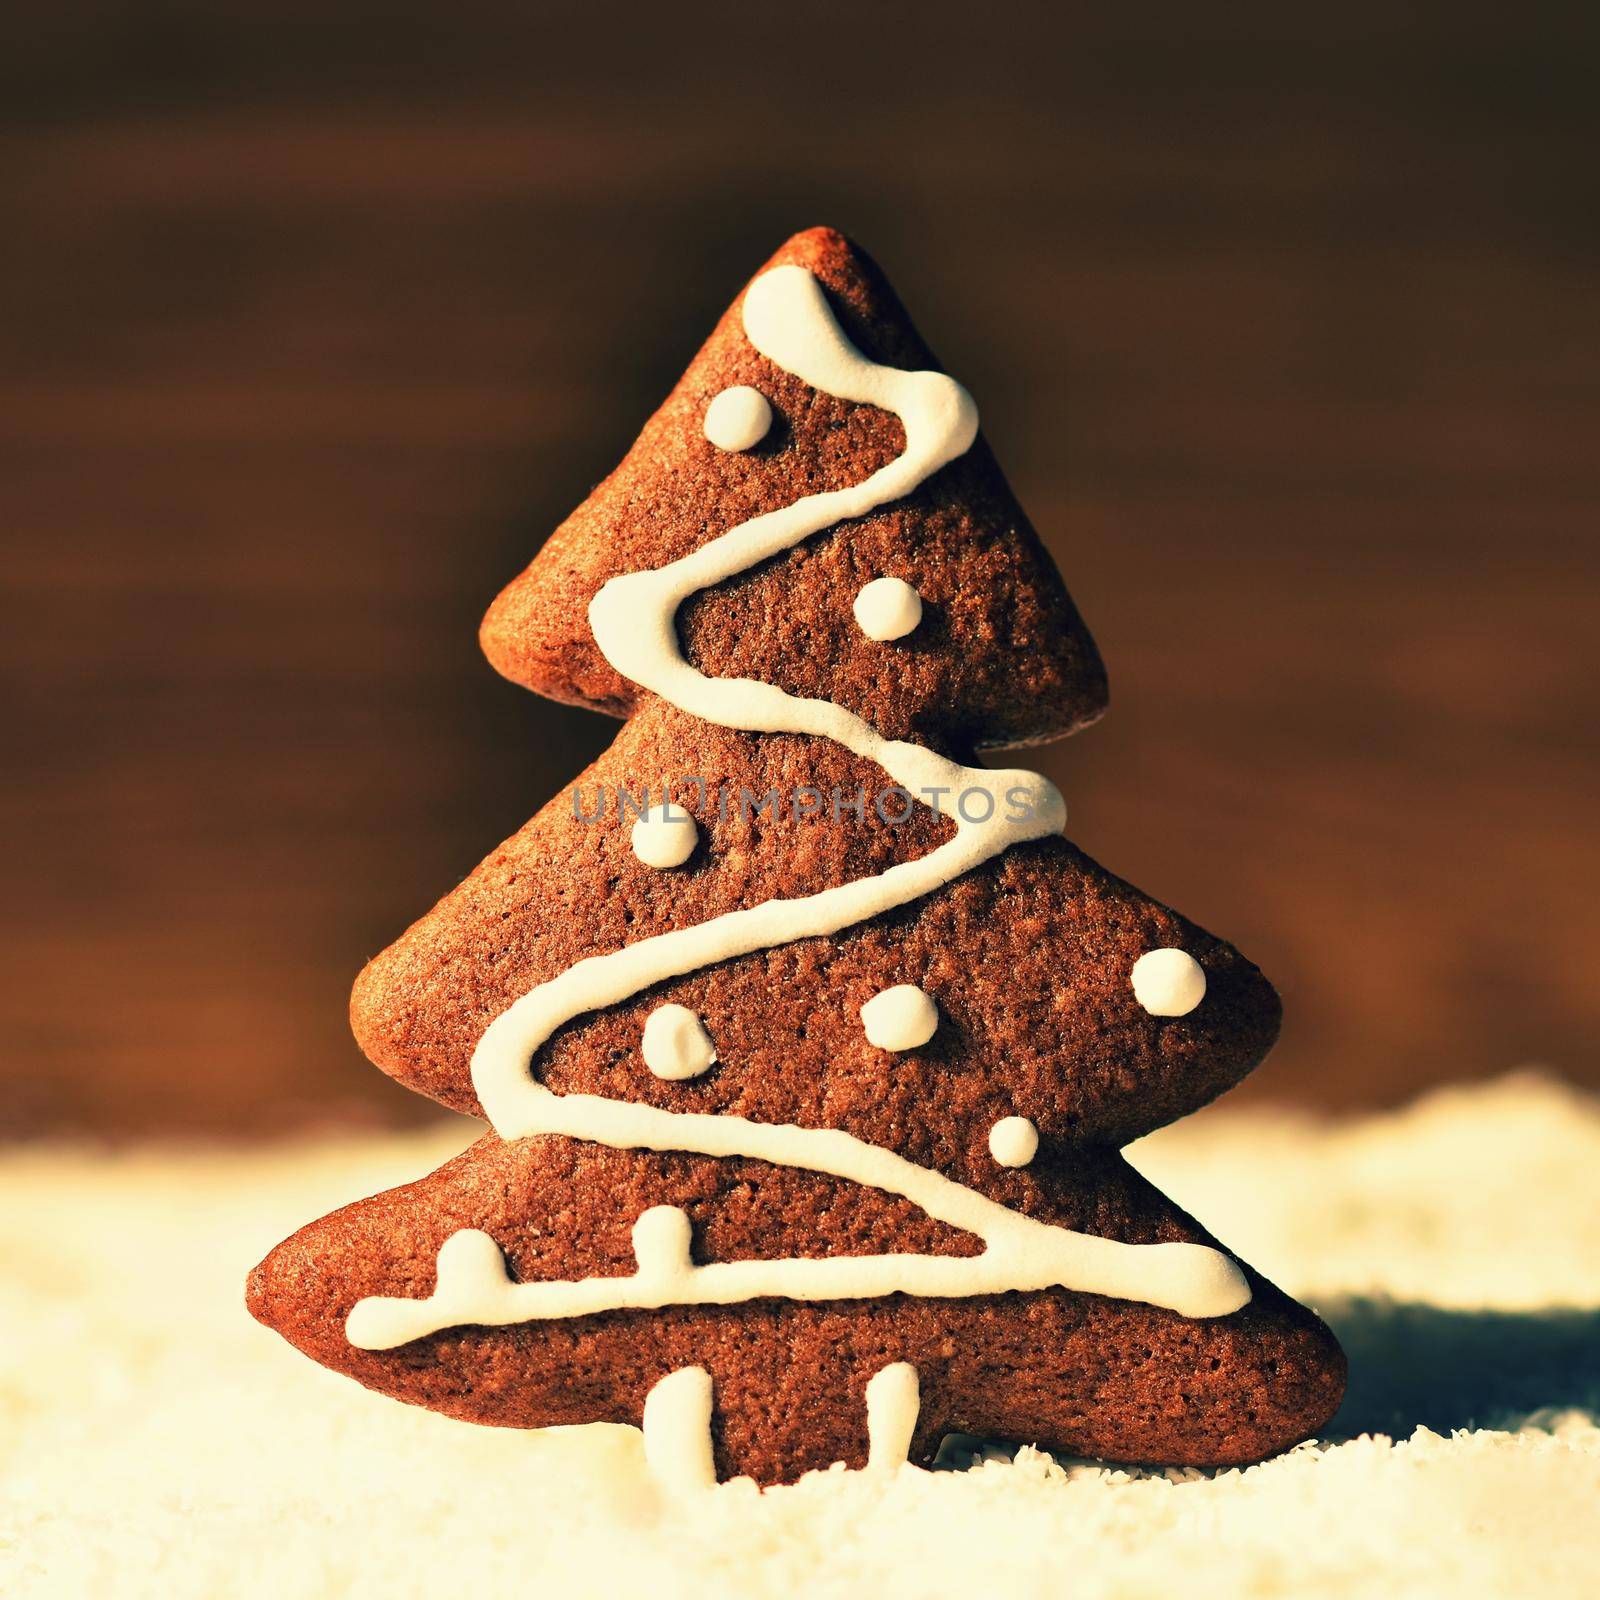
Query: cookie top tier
point(973, 642)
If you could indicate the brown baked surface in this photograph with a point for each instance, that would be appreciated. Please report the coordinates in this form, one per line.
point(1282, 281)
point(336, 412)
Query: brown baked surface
point(1027, 957)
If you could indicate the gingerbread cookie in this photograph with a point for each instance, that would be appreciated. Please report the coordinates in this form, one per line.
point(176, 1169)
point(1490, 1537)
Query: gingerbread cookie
point(808, 1042)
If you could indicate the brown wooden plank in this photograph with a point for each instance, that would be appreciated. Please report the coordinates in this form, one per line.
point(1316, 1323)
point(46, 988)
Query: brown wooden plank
point(310, 328)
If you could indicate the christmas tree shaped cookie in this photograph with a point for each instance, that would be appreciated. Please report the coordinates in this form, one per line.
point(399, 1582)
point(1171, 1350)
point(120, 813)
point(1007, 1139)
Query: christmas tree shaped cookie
point(808, 1042)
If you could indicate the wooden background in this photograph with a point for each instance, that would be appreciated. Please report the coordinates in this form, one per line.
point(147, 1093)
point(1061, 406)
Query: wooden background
point(313, 321)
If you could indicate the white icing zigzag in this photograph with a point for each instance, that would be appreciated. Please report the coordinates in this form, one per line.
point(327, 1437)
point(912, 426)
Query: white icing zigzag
point(787, 319)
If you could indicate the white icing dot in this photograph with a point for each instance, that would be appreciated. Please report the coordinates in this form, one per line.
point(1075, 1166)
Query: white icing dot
point(738, 418)
point(1168, 983)
point(665, 836)
point(676, 1044)
point(888, 608)
point(1013, 1141)
point(901, 1018)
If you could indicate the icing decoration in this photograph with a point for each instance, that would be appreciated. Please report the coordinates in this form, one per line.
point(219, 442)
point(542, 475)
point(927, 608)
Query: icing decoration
point(675, 1044)
point(787, 319)
point(894, 1399)
point(665, 836)
point(738, 418)
point(678, 1451)
point(1013, 1141)
point(901, 1018)
point(677, 1431)
point(1168, 983)
point(888, 608)
point(475, 1288)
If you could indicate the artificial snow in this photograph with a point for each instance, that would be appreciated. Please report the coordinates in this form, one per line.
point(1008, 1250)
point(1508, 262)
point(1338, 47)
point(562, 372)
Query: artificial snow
point(155, 1441)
